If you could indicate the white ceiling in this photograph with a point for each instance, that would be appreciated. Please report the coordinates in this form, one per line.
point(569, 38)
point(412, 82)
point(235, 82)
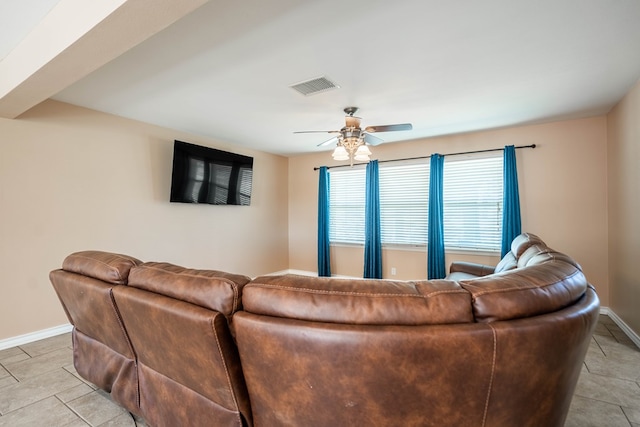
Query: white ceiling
point(18, 18)
point(224, 71)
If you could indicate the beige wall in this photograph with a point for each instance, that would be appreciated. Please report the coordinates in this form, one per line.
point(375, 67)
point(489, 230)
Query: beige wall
point(624, 205)
point(562, 191)
point(74, 179)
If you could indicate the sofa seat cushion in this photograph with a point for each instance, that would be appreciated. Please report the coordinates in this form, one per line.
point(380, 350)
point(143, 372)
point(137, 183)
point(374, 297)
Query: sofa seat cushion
point(543, 287)
point(461, 275)
point(106, 266)
point(358, 301)
point(215, 290)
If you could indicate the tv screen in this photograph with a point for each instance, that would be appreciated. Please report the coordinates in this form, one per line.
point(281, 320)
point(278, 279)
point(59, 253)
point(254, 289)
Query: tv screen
point(206, 175)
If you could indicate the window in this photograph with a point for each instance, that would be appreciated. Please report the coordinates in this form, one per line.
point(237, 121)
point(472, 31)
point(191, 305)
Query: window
point(472, 203)
point(346, 205)
point(404, 203)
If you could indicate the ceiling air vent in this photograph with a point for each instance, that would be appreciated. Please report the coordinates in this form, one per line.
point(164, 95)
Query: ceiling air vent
point(313, 86)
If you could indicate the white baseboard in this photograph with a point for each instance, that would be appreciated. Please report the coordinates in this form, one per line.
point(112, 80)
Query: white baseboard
point(35, 336)
point(625, 328)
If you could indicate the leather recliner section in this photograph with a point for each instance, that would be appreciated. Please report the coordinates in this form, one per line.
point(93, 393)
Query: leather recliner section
point(188, 364)
point(102, 351)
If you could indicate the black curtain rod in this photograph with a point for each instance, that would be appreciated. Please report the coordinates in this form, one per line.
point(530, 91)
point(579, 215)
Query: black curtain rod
point(429, 156)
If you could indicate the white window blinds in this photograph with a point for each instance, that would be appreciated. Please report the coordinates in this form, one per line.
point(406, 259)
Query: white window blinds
point(403, 204)
point(473, 203)
point(404, 200)
point(346, 205)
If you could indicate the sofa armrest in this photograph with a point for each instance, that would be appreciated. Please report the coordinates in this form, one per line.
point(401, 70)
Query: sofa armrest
point(471, 268)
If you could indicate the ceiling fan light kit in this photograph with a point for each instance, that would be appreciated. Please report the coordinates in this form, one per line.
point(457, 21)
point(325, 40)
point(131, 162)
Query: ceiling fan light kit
point(351, 148)
point(353, 141)
point(340, 153)
point(363, 153)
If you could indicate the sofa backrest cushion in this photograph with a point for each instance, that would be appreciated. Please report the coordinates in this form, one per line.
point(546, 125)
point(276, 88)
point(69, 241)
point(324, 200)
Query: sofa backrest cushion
point(106, 266)
point(551, 281)
point(519, 246)
point(508, 262)
point(549, 255)
point(533, 255)
point(215, 290)
point(358, 301)
point(522, 242)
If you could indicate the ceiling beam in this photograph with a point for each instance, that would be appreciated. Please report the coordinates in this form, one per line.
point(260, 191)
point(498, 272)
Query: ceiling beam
point(76, 38)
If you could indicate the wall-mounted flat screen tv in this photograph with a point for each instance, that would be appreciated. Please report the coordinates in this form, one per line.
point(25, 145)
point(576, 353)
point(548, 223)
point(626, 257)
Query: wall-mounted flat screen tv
point(206, 175)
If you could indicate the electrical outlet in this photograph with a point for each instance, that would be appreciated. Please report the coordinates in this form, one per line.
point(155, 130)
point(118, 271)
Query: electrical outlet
point(393, 271)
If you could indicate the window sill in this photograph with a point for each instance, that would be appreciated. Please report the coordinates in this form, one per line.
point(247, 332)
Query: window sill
point(346, 245)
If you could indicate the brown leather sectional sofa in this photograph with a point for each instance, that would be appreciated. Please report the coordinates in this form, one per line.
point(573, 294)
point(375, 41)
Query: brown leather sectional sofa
point(488, 346)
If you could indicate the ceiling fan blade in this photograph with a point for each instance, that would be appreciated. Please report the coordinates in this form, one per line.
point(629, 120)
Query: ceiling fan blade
point(389, 128)
point(328, 141)
point(317, 131)
point(372, 140)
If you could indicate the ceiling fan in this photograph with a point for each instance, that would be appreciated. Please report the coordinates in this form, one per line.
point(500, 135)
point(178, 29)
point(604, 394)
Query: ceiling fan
point(352, 140)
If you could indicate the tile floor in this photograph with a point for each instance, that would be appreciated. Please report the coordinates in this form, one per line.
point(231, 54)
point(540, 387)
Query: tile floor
point(40, 387)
